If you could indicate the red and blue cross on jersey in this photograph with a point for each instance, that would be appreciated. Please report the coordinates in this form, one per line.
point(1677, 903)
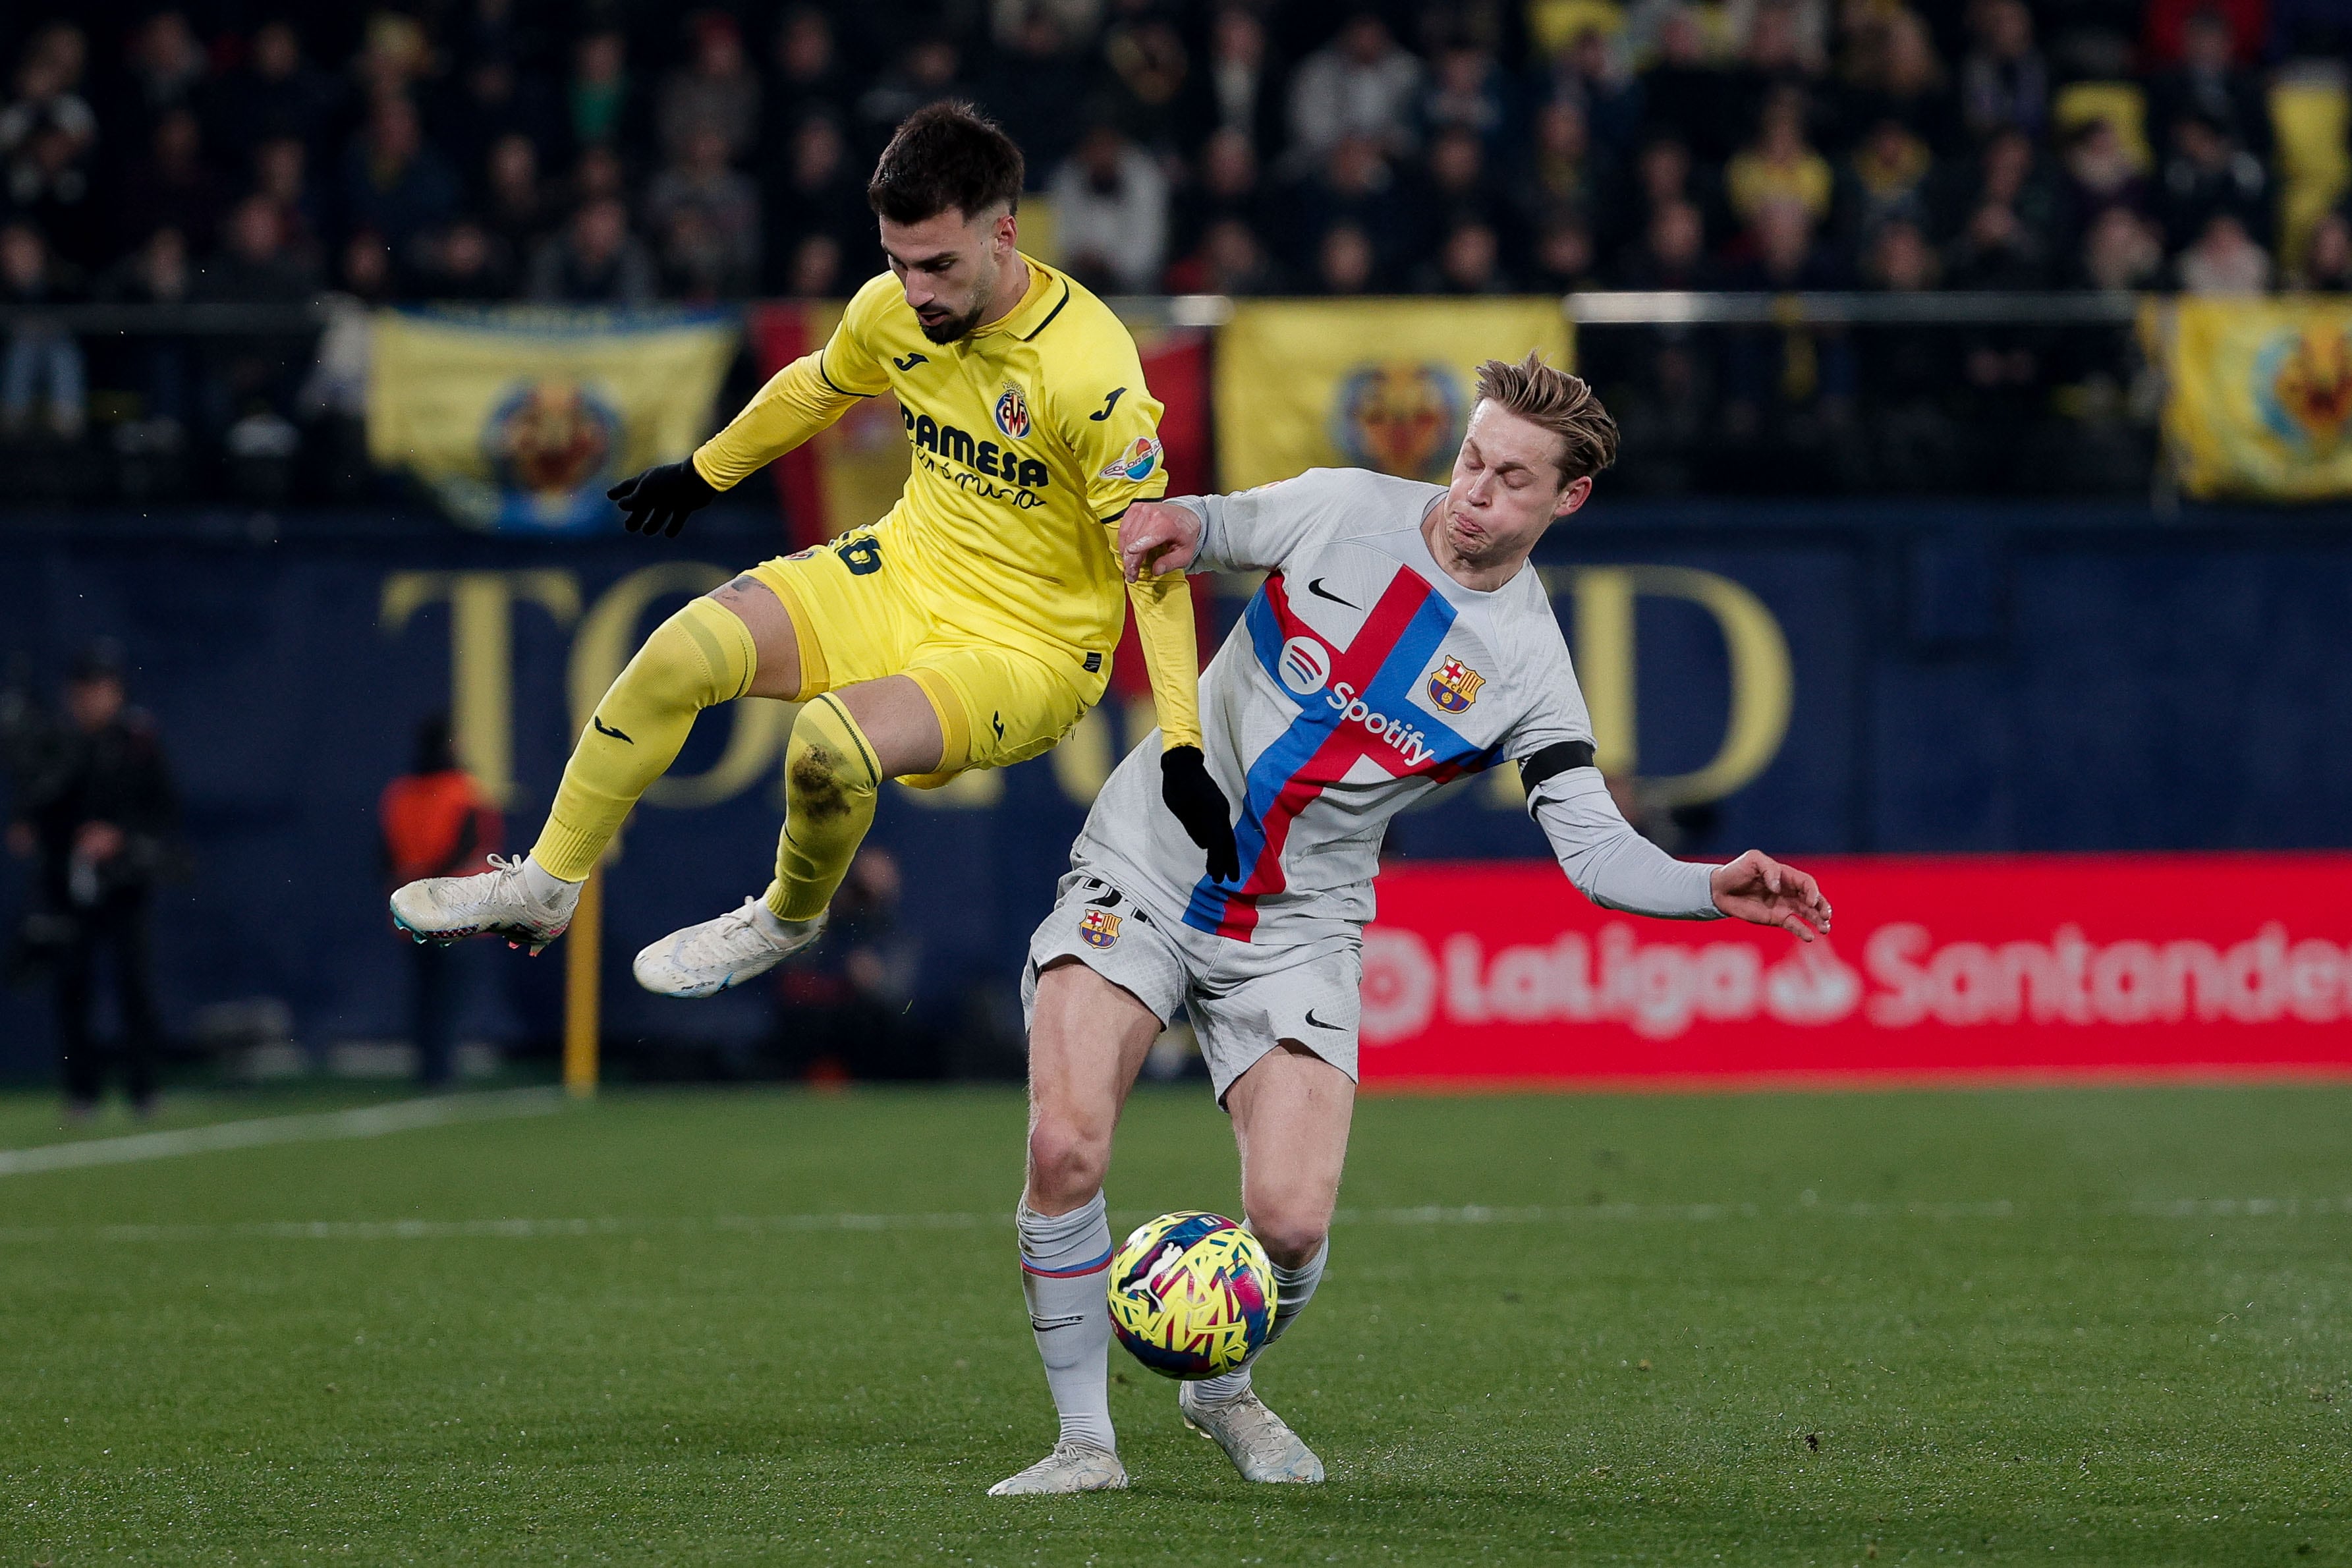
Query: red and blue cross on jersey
point(1382, 665)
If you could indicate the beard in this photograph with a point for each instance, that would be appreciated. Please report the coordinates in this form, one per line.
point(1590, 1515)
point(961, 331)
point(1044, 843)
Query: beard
point(954, 327)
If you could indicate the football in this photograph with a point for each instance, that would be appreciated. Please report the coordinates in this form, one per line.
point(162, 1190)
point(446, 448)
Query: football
point(1191, 1295)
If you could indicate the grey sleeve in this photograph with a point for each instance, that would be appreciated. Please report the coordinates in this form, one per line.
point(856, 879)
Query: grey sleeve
point(1258, 530)
point(1610, 863)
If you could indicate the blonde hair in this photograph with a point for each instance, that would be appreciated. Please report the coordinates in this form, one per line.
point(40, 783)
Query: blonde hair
point(1562, 404)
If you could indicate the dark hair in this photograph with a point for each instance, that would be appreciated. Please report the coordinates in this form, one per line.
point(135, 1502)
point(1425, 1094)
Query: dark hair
point(946, 155)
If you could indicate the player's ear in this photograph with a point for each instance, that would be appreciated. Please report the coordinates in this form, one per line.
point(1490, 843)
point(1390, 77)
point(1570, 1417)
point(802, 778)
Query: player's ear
point(1578, 492)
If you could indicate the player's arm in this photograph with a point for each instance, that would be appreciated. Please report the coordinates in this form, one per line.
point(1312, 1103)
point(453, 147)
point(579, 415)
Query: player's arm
point(799, 400)
point(1249, 530)
point(1618, 868)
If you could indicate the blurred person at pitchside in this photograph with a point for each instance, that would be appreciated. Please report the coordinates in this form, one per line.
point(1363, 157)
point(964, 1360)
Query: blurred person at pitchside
point(434, 822)
point(94, 811)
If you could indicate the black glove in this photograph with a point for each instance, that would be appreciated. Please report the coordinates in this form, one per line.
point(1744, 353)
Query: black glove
point(658, 500)
point(1199, 806)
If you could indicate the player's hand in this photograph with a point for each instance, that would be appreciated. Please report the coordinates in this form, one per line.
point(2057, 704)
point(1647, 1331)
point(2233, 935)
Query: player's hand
point(659, 501)
point(1760, 889)
point(1156, 537)
point(1201, 806)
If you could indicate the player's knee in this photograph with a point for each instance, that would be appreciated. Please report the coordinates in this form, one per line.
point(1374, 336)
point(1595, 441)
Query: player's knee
point(824, 766)
point(1290, 1235)
point(698, 658)
point(1066, 1162)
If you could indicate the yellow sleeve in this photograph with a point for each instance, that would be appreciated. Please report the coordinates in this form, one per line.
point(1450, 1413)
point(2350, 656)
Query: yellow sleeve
point(1171, 653)
point(800, 400)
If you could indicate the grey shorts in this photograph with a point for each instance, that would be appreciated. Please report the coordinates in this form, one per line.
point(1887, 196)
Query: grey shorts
point(1242, 998)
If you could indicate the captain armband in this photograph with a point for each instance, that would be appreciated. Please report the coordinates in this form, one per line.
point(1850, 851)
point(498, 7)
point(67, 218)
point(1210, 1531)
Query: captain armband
point(1549, 762)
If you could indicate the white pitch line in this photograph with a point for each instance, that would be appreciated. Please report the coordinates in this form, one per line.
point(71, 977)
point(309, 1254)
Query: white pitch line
point(368, 1121)
point(522, 1229)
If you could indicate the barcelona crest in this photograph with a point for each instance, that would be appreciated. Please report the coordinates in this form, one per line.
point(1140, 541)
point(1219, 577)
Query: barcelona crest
point(1454, 686)
point(1012, 412)
point(1100, 928)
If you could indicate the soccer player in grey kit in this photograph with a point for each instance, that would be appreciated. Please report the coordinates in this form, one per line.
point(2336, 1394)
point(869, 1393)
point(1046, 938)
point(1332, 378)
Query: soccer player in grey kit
point(1400, 640)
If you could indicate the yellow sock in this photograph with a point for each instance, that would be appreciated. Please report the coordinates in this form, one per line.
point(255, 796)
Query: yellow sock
point(831, 777)
point(699, 656)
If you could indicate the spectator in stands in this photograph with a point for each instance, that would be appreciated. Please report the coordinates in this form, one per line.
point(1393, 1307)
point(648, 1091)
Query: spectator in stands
point(1781, 166)
point(1356, 188)
point(1037, 77)
point(2223, 260)
point(598, 175)
point(844, 1009)
point(2208, 174)
point(1885, 178)
point(809, 78)
point(48, 185)
point(462, 262)
point(171, 187)
point(281, 173)
point(820, 200)
point(2328, 255)
point(2004, 84)
point(1466, 93)
point(2209, 82)
point(932, 68)
point(41, 366)
point(514, 207)
point(1671, 255)
point(158, 273)
point(1587, 75)
point(1239, 87)
point(165, 69)
point(1362, 85)
point(595, 260)
point(1786, 386)
point(1907, 373)
point(705, 217)
point(2122, 251)
point(1775, 63)
point(47, 93)
point(1561, 172)
point(1110, 212)
point(2008, 220)
point(2101, 173)
point(495, 99)
point(434, 821)
point(1469, 260)
point(1226, 190)
point(367, 270)
point(1455, 188)
point(277, 94)
point(1229, 259)
point(394, 184)
point(395, 58)
point(97, 829)
point(252, 375)
point(1142, 74)
point(815, 270)
point(1345, 262)
point(1662, 177)
point(597, 104)
point(716, 91)
point(1895, 75)
point(1685, 93)
point(1564, 258)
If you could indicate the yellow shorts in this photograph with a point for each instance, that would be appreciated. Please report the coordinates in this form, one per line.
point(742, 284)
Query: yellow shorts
point(855, 621)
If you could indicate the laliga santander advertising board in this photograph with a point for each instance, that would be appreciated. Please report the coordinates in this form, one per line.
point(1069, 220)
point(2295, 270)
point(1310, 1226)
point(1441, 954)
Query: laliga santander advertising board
point(1959, 967)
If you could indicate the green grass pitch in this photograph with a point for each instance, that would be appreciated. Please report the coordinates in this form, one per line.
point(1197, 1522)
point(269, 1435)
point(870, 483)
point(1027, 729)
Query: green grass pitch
point(2032, 1326)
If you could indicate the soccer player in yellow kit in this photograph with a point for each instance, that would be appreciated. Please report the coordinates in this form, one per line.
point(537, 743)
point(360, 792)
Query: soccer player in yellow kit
point(971, 628)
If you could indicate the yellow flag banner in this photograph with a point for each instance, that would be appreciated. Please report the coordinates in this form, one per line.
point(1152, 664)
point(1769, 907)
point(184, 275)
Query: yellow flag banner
point(519, 418)
point(1377, 383)
point(2258, 396)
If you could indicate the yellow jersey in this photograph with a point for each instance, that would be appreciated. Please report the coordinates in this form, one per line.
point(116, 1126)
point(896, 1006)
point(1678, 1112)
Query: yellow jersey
point(1031, 437)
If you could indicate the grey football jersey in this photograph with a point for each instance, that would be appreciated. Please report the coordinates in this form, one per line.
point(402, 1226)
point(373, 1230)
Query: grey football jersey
point(1360, 679)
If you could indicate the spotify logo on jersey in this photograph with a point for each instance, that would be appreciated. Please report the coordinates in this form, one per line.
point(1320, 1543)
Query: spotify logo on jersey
point(1305, 666)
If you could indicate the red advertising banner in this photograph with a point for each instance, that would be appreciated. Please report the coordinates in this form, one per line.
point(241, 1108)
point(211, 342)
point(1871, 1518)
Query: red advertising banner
point(1951, 966)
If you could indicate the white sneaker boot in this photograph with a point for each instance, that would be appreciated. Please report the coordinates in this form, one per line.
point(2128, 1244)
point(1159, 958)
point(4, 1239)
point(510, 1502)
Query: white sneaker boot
point(720, 955)
point(1072, 1467)
point(1262, 1446)
point(496, 902)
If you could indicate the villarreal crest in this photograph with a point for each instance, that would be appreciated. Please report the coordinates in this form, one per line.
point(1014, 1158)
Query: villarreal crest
point(1012, 412)
point(1100, 928)
point(1454, 686)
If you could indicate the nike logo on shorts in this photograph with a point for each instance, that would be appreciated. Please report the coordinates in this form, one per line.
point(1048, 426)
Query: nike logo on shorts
point(1320, 1024)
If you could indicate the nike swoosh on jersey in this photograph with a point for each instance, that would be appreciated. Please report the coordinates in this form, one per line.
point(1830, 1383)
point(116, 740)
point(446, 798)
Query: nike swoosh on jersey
point(1316, 587)
point(910, 362)
point(605, 729)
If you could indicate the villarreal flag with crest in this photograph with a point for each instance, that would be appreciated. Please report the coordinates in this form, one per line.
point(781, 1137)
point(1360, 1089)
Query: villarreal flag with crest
point(1363, 383)
point(517, 419)
point(2258, 396)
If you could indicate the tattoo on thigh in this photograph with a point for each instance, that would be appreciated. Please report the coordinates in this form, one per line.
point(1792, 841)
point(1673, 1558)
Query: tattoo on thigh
point(742, 584)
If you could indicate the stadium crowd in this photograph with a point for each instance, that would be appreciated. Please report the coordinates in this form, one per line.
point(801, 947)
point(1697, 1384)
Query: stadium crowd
point(490, 150)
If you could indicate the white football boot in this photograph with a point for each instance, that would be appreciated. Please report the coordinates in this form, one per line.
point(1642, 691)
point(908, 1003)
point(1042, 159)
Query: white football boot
point(496, 902)
point(1258, 1442)
point(720, 955)
point(1072, 1467)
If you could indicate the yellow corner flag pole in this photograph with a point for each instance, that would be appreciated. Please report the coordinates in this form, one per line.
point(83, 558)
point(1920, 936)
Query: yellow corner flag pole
point(583, 967)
